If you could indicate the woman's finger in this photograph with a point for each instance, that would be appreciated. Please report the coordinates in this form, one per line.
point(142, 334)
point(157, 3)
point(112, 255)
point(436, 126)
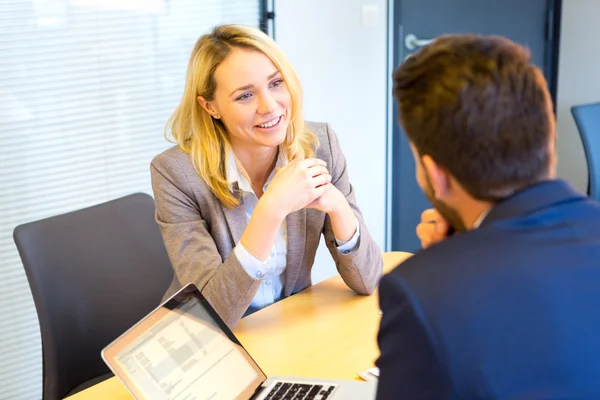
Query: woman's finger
point(311, 162)
point(318, 170)
point(321, 180)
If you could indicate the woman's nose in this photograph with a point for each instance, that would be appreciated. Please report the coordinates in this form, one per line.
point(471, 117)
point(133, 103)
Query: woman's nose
point(268, 104)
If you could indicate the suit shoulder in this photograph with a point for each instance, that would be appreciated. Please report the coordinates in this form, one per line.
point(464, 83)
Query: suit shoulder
point(318, 128)
point(450, 259)
point(176, 165)
point(326, 136)
point(170, 157)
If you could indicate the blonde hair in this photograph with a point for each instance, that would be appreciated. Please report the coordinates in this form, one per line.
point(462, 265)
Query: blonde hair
point(206, 139)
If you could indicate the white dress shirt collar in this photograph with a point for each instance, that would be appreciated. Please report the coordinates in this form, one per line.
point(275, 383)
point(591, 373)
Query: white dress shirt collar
point(479, 220)
point(236, 172)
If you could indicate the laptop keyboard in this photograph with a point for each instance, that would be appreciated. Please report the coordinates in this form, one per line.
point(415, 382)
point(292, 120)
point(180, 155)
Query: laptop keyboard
point(299, 391)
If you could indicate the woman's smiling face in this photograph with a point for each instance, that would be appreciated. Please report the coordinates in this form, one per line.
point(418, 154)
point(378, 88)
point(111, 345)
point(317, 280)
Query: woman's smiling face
point(251, 99)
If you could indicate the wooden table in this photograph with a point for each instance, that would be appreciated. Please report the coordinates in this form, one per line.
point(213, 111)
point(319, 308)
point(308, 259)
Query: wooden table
point(325, 331)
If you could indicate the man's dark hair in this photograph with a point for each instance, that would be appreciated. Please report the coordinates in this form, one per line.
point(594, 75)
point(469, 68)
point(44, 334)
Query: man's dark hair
point(481, 109)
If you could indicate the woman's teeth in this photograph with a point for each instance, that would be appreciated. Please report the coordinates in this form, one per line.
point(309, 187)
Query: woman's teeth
point(270, 123)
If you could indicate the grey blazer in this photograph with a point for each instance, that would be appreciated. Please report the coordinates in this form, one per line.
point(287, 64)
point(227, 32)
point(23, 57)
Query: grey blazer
point(200, 233)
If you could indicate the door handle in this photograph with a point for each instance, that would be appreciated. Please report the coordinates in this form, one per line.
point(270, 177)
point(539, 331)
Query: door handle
point(412, 42)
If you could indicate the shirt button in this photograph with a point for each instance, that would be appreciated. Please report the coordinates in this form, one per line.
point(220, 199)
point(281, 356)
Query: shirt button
point(268, 283)
point(259, 274)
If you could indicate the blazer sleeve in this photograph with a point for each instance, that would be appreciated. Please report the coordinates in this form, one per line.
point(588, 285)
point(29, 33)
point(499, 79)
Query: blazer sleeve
point(362, 267)
point(408, 364)
point(192, 249)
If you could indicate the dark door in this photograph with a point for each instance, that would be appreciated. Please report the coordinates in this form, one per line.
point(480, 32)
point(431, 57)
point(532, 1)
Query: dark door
point(416, 22)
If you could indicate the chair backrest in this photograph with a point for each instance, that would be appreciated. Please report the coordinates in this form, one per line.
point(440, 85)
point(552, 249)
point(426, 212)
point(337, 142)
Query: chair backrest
point(587, 119)
point(93, 273)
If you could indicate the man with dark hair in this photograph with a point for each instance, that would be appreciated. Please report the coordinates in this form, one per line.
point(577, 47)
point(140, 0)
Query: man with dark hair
point(504, 299)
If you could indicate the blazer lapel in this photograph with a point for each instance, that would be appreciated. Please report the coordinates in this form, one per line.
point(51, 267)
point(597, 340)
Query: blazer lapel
point(296, 241)
point(236, 221)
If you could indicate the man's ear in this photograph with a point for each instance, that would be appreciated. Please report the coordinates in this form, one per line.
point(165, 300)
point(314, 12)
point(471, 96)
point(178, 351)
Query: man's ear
point(208, 106)
point(438, 177)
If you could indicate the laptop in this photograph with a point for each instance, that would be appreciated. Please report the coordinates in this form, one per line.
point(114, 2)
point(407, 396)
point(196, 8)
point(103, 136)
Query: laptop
point(184, 351)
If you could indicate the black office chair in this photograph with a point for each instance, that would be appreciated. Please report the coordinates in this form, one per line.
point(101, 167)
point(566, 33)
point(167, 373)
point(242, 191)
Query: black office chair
point(93, 273)
point(587, 119)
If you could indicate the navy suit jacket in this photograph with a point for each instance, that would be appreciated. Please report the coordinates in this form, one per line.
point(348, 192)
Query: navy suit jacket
point(510, 310)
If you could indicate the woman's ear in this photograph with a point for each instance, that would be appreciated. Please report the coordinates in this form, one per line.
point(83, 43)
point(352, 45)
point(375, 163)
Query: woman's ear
point(209, 107)
point(438, 176)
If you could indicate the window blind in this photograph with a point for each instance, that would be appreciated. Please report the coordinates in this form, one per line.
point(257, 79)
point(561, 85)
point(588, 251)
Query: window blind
point(86, 87)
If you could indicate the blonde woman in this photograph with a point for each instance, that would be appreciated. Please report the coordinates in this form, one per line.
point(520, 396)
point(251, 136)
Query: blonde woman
point(244, 197)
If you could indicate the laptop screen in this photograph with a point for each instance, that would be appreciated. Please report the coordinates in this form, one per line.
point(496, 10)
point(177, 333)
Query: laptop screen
point(183, 350)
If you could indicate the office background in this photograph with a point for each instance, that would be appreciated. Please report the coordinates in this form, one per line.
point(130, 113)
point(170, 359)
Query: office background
point(86, 86)
point(85, 89)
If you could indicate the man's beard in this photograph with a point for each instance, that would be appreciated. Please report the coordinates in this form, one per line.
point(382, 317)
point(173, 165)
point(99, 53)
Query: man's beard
point(448, 213)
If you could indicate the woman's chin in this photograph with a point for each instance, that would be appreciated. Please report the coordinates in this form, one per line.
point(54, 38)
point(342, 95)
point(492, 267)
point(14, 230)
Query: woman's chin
point(274, 137)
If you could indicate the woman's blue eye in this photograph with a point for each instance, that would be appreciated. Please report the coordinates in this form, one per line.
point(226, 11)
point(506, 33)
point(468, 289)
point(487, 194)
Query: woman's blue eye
point(244, 96)
point(276, 82)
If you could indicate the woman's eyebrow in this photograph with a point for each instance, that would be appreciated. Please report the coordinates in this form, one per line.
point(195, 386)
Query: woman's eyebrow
point(273, 75)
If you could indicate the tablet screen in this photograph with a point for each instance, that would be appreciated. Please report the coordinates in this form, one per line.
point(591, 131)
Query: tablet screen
point(181, 351)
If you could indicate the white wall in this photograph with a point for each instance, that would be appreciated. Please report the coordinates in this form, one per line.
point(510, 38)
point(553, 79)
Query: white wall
point(341, 57)
point(343, 67)
point(578, 82)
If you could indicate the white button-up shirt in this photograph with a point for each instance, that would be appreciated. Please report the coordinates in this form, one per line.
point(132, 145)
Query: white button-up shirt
point(270, 271)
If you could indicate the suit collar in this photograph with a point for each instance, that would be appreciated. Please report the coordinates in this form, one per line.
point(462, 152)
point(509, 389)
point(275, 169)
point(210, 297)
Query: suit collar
point(237, 175)
point(236, 217)
point(532, 199)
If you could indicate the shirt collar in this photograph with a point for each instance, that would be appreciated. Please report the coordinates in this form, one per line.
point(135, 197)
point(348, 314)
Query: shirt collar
point(481, 217)
point(237, 174)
